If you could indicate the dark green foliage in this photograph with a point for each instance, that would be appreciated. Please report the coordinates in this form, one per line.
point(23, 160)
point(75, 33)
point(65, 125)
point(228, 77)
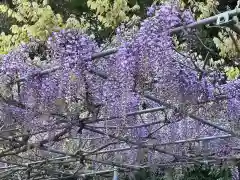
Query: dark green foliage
point(207, 173)
point(78, 8)
point(145, 174)
point(196, 172)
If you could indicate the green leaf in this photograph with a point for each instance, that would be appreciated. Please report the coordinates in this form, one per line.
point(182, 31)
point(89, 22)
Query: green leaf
point(232, 72)
point(14, 29)
point(45, 2)
point(135, 8)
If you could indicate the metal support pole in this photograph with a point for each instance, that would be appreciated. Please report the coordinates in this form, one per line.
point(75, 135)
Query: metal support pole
point(115, 173)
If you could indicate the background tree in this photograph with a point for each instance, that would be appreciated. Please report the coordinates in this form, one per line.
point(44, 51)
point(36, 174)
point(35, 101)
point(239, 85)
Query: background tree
point(31, 20)
point(220, 43)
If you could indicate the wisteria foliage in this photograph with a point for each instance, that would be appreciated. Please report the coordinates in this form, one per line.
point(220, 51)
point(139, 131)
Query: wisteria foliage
point(145, 62)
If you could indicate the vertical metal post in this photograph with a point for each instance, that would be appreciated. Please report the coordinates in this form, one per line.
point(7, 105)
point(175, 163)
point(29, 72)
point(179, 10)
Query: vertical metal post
point(115, 173)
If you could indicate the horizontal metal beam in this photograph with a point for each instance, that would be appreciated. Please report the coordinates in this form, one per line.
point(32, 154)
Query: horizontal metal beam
point(208, 138)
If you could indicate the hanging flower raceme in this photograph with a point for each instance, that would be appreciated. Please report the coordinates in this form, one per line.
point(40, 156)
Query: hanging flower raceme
point(69, 49)
point(72, 50)
point(231, 91)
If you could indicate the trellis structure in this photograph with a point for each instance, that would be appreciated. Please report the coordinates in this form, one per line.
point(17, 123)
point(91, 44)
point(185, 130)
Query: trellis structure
point(40, 169)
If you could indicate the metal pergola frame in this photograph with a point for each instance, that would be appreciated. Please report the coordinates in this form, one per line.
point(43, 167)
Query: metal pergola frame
point(74, 157)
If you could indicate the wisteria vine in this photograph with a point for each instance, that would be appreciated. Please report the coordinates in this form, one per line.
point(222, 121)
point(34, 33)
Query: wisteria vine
point(146, 62)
